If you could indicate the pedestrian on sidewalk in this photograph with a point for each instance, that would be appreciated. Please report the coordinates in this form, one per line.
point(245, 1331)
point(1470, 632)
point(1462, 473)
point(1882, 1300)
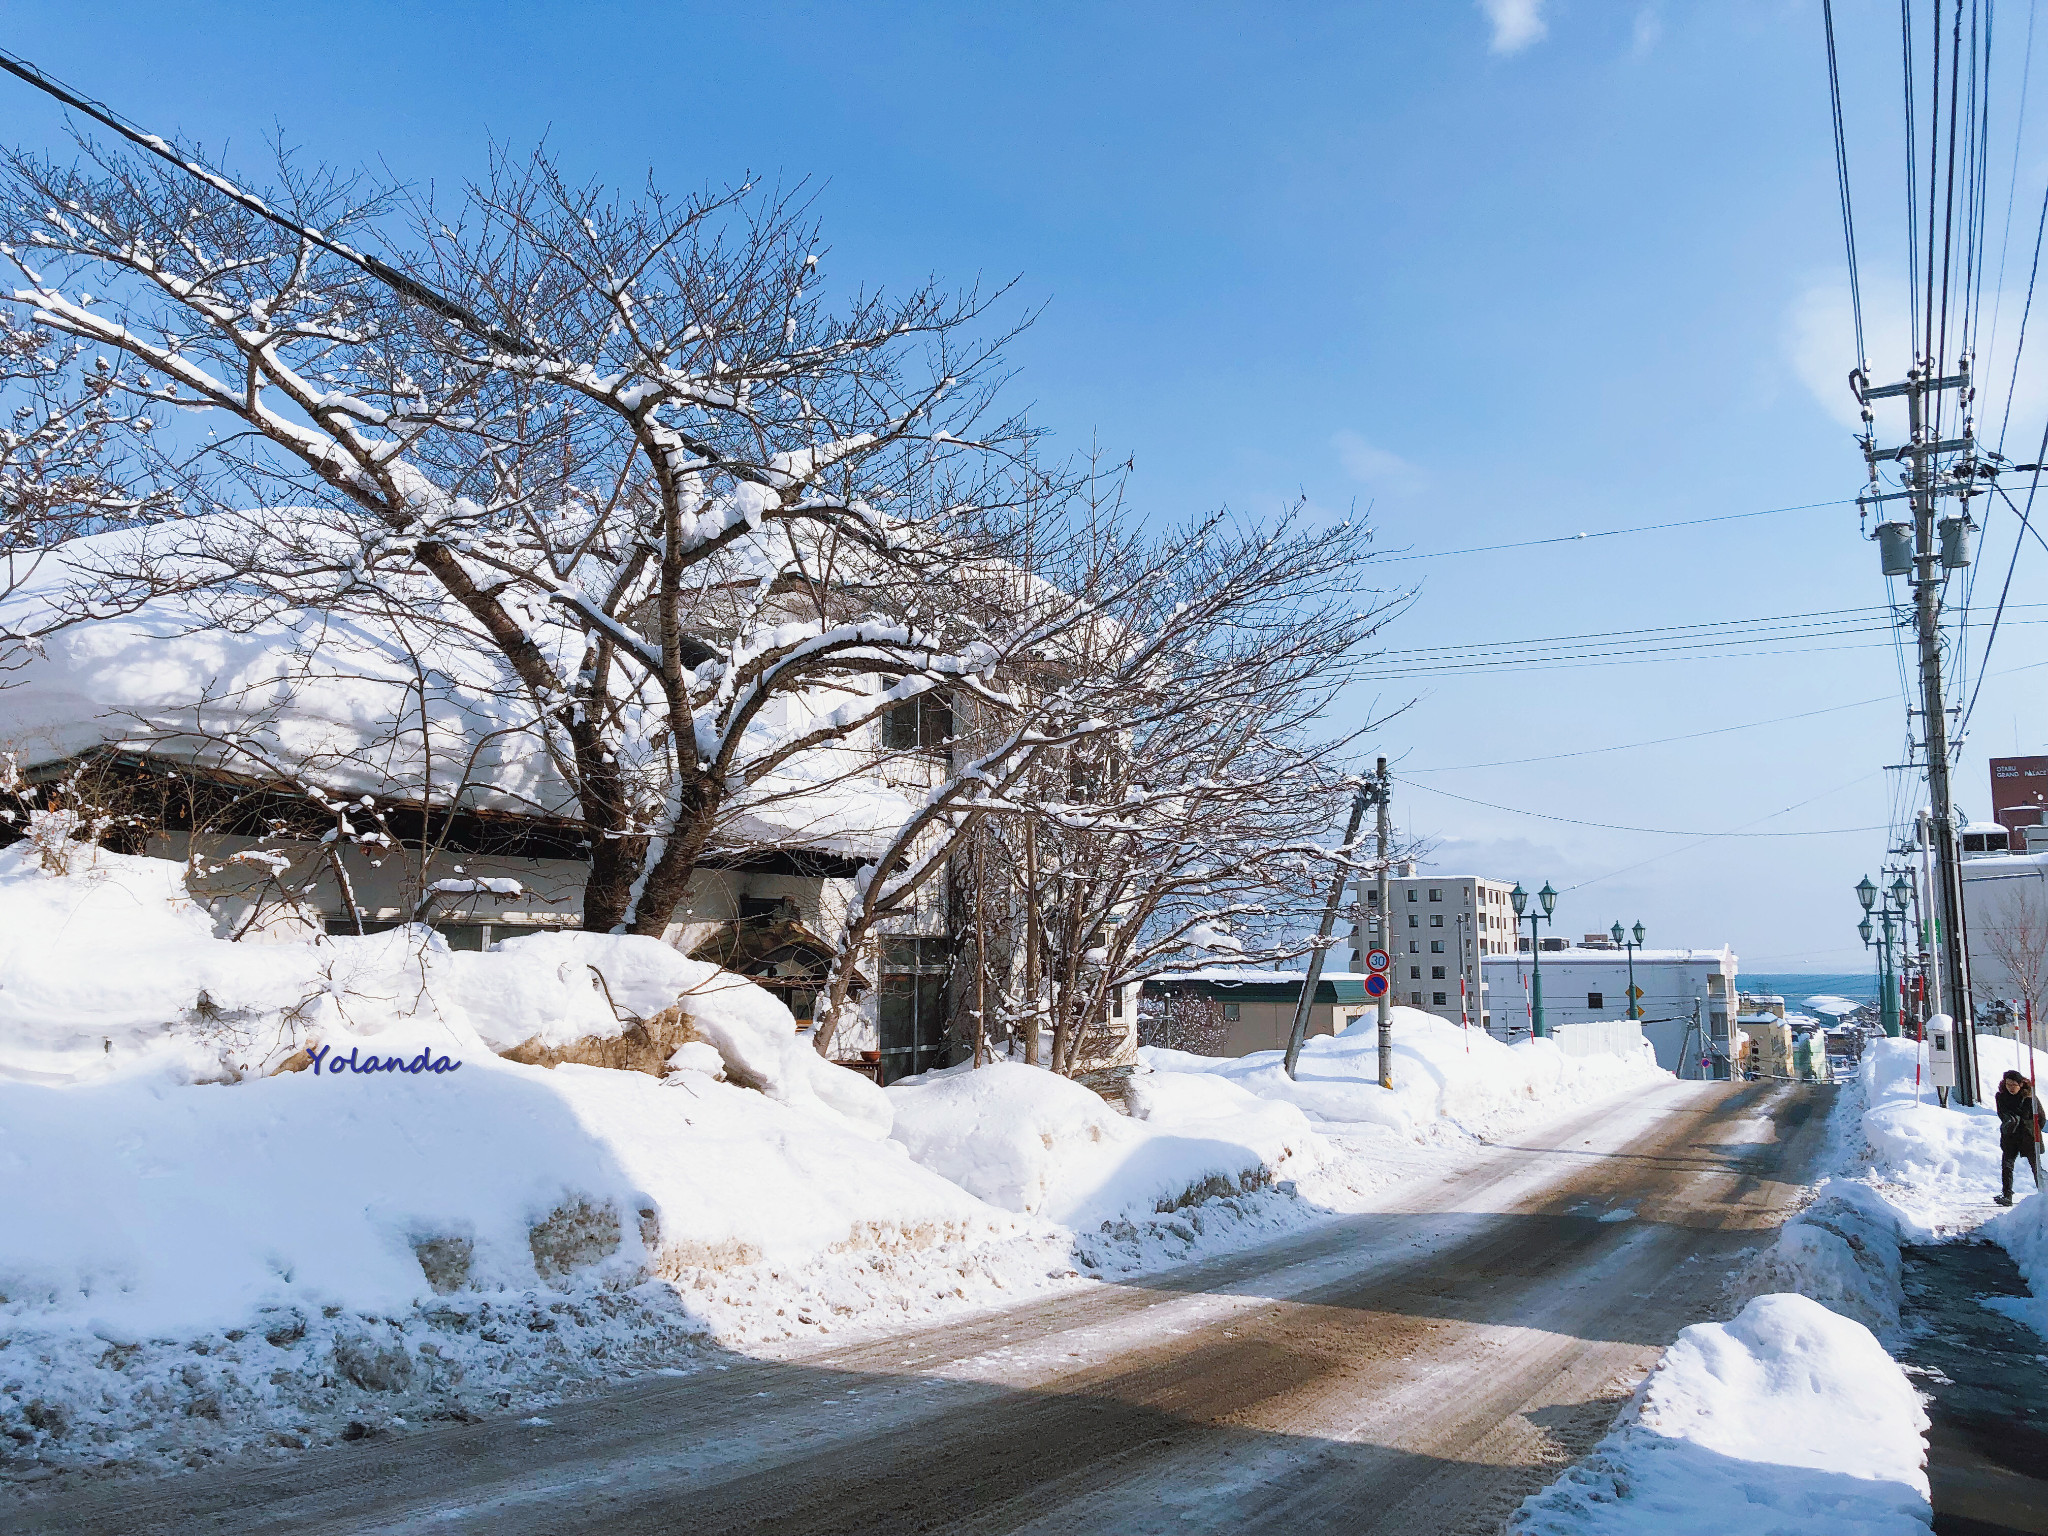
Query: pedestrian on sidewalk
point(2019, 1130)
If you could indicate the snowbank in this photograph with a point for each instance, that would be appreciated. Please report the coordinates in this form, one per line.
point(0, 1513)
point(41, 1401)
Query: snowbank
point(1788, 1418)
point(1444, 1076)
point(1842, 1251)
point(270, 1188)
point(1936, 1167)
point(112, 968)
point(1026, 1140)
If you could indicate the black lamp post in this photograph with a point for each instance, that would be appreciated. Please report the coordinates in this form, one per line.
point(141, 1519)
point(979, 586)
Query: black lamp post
point(1520, 899)
point(1632, 942)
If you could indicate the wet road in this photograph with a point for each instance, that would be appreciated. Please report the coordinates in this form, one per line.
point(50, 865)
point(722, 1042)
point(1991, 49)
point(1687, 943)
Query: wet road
point(1419, 1369)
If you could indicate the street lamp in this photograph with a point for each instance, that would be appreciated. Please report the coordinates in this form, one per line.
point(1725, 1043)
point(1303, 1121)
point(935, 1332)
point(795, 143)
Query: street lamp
point(1520, 900)
point(1887, 983)
point(1632, 942)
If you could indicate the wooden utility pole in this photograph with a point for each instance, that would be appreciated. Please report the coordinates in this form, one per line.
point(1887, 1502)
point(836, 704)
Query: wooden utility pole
point(1386, 1001)
point(1030, 940)
point(1938, 547)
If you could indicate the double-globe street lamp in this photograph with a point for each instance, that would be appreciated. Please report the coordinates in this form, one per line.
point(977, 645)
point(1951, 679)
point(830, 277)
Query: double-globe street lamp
point(1631, 942)
point(1548, 898)
point(1894, 909)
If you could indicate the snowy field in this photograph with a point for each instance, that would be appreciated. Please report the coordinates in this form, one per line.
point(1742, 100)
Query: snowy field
point(1793, 1416)
point(263, 1194)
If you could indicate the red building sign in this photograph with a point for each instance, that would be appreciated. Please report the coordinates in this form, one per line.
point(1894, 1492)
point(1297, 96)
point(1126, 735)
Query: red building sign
point(2019, 792)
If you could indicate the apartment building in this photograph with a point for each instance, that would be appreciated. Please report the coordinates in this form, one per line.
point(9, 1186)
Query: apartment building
point(1440, 929)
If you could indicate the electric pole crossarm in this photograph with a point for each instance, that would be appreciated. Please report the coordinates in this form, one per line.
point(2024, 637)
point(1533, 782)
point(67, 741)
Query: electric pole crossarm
point(1894, 391)
point(1914, 450)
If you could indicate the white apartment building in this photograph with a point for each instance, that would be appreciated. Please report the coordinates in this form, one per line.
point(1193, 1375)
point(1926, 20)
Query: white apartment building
point(1584, 985)
point(1442, 929)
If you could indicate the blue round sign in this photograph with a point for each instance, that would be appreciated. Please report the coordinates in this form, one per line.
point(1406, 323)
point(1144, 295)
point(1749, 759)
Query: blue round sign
point(1375, 985)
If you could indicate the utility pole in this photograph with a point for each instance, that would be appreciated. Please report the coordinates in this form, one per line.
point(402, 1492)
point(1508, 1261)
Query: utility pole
point(1936, 549)
point(1386, 1001)
point(1369, 790)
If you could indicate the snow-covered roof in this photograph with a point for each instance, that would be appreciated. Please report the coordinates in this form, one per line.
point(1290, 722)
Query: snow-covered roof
point(384, 706)
point(1577, 955)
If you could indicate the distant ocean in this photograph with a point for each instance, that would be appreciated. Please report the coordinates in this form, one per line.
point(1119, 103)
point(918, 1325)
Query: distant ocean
point(1858, 986)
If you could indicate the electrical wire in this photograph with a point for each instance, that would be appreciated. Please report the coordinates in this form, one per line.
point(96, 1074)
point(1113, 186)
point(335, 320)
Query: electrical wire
point(1842, 183)
point(2026, 515)
point(1612, 533)
point(1630, 746)
point(1605, 826)
point(152, 144)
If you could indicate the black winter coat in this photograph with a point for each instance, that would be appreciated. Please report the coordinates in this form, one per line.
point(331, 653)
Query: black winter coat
point(2019, 1118)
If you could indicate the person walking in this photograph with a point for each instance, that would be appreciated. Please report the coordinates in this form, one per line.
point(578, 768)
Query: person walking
point(2019, 1130)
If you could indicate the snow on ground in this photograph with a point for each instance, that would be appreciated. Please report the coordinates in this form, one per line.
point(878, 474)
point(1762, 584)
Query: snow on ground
point(1788, 1418)
point(1450, 1081)
point(268, 1194)
point(1793, 1416)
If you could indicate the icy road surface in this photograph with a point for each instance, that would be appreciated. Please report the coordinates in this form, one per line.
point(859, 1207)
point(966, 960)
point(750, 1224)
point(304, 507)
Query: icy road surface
point(1422, 1368)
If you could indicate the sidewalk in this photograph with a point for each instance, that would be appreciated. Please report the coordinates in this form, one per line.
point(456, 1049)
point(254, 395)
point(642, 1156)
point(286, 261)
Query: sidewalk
point(1987, 1447)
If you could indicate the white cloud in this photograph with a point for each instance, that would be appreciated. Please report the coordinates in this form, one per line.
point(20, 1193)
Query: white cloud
point(1648, 29)
point(1820, 342)
point(1385, 472)
point(1516, 23)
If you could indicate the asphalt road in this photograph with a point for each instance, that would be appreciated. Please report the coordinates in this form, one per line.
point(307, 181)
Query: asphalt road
point(1420, 1369)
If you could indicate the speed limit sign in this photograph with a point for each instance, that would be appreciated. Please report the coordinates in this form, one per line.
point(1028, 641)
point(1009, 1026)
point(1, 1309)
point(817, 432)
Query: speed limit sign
point(1376, 960)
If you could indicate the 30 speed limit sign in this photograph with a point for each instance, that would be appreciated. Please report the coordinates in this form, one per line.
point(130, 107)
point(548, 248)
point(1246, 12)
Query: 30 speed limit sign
point(1376, 960)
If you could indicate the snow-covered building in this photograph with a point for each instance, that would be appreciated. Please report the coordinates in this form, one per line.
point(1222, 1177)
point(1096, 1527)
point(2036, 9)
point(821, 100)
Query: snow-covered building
point(1441, 929)
point(1580, 985)
point(2005, 909)
point(324, 770)
point(1253, 1010)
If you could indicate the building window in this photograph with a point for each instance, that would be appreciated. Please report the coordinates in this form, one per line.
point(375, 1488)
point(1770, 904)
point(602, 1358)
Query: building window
point(1372, 896)
point(1231, 1011)
point(911, 1011)
point(1436, 919)
point(924, 722)
point(1414, 921)
point(1415, 998)
point(1437, 999)
point(1415, 973)
point(1596, 1000)
point(1414, 946)
point(1436, 946)
point(1436, 973)
point(1436, 893)
point(1413, 894)
point(1715, 982)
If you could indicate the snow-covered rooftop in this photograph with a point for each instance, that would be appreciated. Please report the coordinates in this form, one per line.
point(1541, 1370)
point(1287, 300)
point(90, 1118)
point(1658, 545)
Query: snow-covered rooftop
point(386, 706)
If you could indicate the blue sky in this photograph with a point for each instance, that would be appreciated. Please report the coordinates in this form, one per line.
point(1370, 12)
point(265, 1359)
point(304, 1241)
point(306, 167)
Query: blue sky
point(1497, 273)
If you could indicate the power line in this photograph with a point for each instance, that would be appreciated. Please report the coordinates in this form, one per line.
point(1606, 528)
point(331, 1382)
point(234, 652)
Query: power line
point(1605, 826)
point(1612, 533)
point(1672, 853)
point(1842, 182)
point(149, 143)
point(1630, 746)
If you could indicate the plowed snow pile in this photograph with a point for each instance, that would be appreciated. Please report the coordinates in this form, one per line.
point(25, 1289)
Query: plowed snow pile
point(1789, 1418)
point(273, 1193)
point(196, 1255)
point(1448, 1080)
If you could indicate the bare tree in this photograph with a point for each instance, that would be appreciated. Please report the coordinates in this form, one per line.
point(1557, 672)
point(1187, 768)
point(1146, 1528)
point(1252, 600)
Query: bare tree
point(661, 495)
point(1156, 773)
point(68, 468)
point(2017, 939)
point(1182, 1019)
